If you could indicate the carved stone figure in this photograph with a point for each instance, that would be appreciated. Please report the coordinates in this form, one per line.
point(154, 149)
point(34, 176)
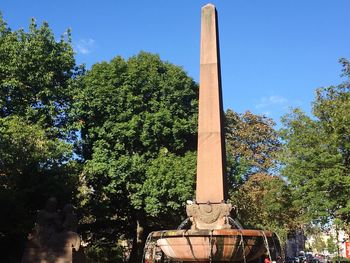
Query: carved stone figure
point(54, 236)
point(209, 216)
point(48, 223)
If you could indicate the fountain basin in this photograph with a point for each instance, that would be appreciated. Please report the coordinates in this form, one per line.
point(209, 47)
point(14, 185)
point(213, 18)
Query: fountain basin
point(213, 245)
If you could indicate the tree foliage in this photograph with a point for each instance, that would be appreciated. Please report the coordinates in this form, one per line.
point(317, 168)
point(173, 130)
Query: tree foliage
point(251, 145)
point(138, 123)
point(169, 184)
point(35, 74)
point(263, 199)
point(319, 244)
point(30, 172)
point(264, 202)
point(316, 154)
point(331, 245)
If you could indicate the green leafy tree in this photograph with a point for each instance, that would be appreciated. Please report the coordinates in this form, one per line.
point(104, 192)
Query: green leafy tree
point(319, 244)
point(331, 245)
point(35, 75)
point(138, 122)
point(316, 155)
point(252, 145)
point(263, 199)
point(30, 172)
point(264, 202)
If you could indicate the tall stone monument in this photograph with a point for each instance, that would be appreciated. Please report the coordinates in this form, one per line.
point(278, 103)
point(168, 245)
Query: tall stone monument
point(213, 236)
point(211, 141)
point(210, 210)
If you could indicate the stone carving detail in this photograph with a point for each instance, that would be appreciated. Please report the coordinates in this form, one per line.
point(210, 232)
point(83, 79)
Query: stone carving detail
point(209, 216)
point(54, 236)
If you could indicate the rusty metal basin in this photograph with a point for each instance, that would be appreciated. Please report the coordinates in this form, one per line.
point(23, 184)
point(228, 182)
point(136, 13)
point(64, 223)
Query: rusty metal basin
point(213, 245)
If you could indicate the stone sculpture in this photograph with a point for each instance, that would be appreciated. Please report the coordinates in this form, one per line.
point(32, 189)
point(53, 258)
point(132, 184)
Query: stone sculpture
point(54, 236)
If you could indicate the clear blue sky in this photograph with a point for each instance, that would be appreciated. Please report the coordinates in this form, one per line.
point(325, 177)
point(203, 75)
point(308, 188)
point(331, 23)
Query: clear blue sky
point(274, 53)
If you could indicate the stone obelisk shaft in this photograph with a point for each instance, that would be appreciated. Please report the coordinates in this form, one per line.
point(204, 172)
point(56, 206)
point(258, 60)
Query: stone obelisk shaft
point(211, 144)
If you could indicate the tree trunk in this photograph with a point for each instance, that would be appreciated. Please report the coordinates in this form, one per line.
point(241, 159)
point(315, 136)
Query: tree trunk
point(138, 244)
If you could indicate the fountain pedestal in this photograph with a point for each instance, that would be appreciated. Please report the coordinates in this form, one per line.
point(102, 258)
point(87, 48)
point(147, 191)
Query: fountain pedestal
point(224, 245)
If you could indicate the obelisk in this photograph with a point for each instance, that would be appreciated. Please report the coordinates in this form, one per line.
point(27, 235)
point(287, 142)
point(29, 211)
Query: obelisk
point(210, 211)
point(211, 141)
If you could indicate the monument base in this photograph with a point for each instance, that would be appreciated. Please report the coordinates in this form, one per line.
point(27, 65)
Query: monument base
point(209, 216)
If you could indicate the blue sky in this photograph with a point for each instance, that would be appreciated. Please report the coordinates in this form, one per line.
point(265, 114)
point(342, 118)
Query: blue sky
point(274, 53)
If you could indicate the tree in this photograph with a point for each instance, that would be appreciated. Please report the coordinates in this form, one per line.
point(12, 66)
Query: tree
point(252, 145)
point(263, 199)
point(316, 154)
point(331, 245)
point(138, 122)
point(319, 244)
point(264, 202)
point(30, 173)
point(35, 75)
